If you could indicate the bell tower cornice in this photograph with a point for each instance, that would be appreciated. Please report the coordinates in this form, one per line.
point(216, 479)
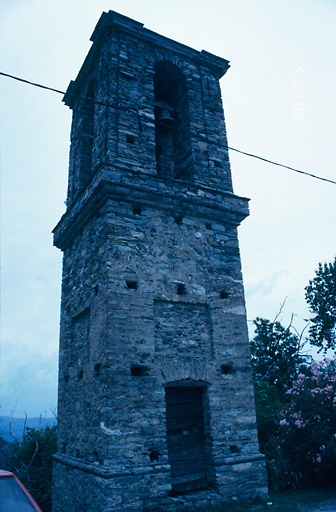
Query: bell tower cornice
point(112, 22)
point(183, 199)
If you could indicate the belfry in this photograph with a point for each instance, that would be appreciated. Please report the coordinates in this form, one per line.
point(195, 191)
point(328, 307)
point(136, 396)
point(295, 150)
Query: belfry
point(155, 408)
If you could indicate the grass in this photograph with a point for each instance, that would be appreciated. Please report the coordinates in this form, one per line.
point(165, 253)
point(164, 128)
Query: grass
point(293, 501)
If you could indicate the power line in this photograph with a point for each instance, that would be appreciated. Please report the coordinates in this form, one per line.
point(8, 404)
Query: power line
point(52, 89)
point(282, 165)
point(108, 105)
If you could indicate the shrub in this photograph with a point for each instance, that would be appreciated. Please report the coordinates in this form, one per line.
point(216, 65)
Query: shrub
point(276, 356)
point(304, 452)
point(31, 461)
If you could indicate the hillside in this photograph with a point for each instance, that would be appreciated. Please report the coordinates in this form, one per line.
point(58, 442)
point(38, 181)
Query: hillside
point(9, 424)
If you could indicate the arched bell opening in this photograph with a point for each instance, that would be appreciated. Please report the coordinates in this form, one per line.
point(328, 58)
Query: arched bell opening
point(188, 436)
point(172, 137)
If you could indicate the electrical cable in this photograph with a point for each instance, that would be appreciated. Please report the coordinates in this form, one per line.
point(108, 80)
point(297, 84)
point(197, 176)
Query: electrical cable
point(108, 105)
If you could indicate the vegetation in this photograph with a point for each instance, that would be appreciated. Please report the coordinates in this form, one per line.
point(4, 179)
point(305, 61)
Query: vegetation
point(275, 354)
point(296, 399)
point(321, 299)
point(31, 461)
point(306, 450)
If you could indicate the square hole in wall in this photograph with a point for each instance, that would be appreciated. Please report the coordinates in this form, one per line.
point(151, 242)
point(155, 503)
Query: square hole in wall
point(224, 294)
point(154, 456)
point(139, 370)
point(178, 219)
point(137, 210)
point(132, 285)
point(181, 289)
point(227, 368)
point(97, 369)
point(130, 139)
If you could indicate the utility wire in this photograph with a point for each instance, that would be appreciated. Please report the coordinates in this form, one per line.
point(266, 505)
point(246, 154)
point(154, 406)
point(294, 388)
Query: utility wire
point(52, 89)
point(104, 104)
point(282, 165)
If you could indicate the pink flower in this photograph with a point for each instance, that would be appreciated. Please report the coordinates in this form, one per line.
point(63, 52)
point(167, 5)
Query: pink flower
point(283, 422)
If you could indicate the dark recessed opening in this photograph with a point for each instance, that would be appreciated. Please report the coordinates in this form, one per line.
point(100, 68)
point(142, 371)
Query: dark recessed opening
point(97, 457)
point(132, 285)
point(234, 448)
point(97, 369)
point(66, 377)
point(227, 368)
point(137, 210)
point(224, 294)
point(208, 226)
point(173, 149)
point(130, 139)
point(80, 374)
point(139, 370)
point(96, 290)
point(181, 289)
point(64, 446)
point(154, 456)
point(217, 163)
point(186, 438)
point(178, 219)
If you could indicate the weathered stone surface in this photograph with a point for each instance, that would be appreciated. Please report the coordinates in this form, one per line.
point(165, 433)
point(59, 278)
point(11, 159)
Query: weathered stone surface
point(156, 407)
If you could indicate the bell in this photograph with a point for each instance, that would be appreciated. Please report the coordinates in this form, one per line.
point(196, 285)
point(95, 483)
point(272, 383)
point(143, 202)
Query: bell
point(165, 118)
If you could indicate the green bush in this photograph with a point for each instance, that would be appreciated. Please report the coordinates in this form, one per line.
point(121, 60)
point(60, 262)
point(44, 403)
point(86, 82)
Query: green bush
point(31, 461)
point(304, 451)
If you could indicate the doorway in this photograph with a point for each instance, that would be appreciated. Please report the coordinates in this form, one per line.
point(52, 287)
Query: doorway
point(186, 437)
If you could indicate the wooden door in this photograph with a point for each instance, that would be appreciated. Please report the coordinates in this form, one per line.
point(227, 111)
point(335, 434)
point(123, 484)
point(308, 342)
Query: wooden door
point(185, 435)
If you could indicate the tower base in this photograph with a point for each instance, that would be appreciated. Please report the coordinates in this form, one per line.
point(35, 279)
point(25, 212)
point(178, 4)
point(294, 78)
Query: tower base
point(79, 486)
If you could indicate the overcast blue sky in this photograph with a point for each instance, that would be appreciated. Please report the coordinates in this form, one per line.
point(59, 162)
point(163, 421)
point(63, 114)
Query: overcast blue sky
point(276, 49)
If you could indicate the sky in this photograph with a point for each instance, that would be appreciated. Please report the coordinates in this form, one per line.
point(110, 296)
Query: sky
point(279, 103)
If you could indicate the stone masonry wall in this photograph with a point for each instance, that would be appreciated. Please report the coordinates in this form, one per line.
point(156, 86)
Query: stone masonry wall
point(152, 291)
point(174, 310)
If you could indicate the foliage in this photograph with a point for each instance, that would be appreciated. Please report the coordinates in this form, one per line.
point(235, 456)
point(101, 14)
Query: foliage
point(321, 299)
point(304, 452)
point(276, 361)
point(275, 354)
point(31, 461)
point(269, 405)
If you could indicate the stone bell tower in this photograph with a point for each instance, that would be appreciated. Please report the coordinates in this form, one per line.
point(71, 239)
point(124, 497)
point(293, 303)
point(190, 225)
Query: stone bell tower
point(156, 405)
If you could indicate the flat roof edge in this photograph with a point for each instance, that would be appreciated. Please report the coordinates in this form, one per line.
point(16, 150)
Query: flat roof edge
point(112, 19)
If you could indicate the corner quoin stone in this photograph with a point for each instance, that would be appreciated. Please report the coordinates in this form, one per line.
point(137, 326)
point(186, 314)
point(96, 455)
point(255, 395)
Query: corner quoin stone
point(155, 407)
